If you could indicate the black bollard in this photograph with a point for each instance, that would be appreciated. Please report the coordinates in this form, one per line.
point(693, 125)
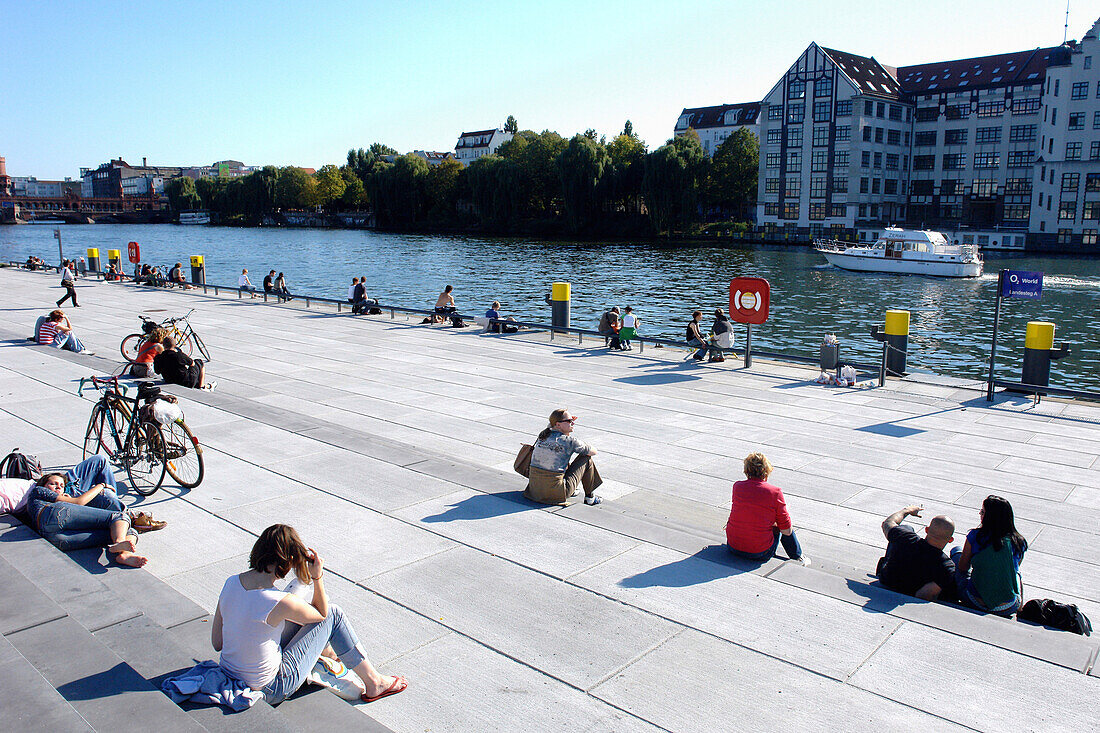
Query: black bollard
point(1038, 352)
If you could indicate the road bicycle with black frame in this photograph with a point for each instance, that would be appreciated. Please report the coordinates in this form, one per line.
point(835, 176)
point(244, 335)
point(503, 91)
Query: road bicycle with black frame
point(137, 445)
point(179, 329)
point(183, 455)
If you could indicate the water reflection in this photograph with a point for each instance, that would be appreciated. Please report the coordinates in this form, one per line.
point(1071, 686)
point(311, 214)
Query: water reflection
point(950, 325)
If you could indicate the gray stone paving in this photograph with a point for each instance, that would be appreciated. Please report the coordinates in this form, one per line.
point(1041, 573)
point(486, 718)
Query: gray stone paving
point(389, 446)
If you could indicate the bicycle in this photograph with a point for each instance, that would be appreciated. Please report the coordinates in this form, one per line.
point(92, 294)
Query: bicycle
point(185, 338)
point(140, 450)
point(183, 454)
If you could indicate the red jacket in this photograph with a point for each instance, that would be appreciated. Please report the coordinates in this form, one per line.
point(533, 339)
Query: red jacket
point(757, 507)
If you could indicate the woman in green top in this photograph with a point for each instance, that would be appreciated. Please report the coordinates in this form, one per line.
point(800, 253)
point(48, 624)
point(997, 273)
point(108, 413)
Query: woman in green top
point(988, 567)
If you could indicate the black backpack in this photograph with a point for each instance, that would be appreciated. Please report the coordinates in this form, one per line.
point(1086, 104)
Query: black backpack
point(19, 465)
point(1064, 616)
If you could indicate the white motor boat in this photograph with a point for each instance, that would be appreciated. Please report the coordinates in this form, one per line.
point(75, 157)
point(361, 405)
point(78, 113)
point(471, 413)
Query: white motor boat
point(905, 252)
point(194, 217)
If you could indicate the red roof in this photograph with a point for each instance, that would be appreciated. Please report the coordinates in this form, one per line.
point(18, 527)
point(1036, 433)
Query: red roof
point(1003, 69)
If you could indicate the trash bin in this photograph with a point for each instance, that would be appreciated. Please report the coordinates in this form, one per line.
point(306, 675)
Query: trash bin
point(830, 357)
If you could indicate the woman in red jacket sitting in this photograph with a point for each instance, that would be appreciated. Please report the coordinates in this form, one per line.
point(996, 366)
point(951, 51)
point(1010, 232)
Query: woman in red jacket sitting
point(759, 520)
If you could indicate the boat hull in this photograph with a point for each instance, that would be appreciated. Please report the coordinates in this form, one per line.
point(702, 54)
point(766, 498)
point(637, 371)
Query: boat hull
point(897, 266)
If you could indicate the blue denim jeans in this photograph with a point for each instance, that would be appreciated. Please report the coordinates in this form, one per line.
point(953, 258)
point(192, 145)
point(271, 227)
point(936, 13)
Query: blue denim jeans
point(89, 472)
point(969, 596)
point(304, 649)
point(790, 546)
point(67, 341)
point(75, 527)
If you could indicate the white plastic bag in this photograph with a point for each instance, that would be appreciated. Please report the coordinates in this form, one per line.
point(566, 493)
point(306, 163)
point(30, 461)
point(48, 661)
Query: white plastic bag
point(848, 374)
point(167, 412)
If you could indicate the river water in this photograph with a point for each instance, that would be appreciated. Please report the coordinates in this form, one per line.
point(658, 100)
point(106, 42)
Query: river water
point(951, 322)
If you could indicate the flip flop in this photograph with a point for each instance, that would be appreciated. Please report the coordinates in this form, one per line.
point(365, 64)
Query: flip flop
point(399, 685)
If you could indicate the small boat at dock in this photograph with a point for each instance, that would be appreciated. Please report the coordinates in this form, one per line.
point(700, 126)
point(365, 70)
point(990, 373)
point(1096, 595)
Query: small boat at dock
point(194, 217)
point(905, 252)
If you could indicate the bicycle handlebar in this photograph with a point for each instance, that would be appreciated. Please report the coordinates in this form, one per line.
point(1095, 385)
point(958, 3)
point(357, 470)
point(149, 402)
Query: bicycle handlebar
point(112, 382)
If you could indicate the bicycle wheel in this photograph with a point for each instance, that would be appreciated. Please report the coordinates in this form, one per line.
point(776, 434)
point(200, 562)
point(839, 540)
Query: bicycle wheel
point(144, 459)
point(183, 341)
point(93, 436)
point(201, 345)
point(98, 438)
point(131, 345)
point(184, 454)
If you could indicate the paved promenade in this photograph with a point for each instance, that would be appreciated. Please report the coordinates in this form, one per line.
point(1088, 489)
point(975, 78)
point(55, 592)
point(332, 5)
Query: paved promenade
point(389, 446)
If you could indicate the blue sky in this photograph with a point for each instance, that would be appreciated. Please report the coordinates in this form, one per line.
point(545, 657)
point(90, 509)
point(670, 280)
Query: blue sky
point(291, 83)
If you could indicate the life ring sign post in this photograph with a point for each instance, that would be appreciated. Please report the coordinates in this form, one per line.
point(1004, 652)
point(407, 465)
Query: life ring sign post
point(133, 252)
point(1011, 284)
point(750, 300)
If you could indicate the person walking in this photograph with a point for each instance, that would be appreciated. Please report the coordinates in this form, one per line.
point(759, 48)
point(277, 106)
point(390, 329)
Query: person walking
point(553, 478)
point(67, 277)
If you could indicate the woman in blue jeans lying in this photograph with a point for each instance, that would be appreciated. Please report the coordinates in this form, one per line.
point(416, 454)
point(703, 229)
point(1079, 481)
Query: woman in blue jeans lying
point(89, 515)
point(250, 616)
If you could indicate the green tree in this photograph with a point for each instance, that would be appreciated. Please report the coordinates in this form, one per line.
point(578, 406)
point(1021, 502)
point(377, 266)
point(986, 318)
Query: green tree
point(628, 130)
point(182, 194)
point(330, 185)
point(582, 165)
point(443, 189)
point(294, 189)
point(673, 180)
point(362, 161)
point(731, 183)
point(355, 194)
point(510, 125)
point(627, 154)
point(538, 177)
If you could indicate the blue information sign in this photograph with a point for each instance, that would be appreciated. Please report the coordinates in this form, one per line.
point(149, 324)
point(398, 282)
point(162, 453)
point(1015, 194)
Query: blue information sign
point(1022, 284)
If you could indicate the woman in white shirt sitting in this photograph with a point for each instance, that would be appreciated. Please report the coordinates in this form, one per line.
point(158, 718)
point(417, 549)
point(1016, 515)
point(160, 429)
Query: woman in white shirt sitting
point(249, 621)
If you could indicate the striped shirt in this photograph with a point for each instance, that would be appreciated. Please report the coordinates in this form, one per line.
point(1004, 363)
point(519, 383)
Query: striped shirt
point(47, 332)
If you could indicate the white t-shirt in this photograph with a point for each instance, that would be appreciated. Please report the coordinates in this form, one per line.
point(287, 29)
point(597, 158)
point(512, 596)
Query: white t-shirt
point(13, 494)
point(250, 645)
point(630, 320)
point(243, 280)
point(351, 292)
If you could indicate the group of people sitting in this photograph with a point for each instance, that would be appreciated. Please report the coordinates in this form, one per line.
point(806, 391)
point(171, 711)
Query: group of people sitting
point(35, 263)
point(618, 330)
point(276, 285)
point(361, 303)
point(159, 353)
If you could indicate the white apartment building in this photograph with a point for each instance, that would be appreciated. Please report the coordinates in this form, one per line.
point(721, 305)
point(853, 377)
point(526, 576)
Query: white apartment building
point(474, 145)
point(715, 124)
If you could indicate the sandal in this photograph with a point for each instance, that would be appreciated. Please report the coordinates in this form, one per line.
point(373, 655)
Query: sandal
point(399, 685)
point(143, 522)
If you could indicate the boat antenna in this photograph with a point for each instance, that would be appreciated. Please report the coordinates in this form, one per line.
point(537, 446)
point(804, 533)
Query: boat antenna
point(1065, 33)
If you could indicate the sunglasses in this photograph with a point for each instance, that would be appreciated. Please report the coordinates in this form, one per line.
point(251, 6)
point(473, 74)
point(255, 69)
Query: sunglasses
point(570, 420)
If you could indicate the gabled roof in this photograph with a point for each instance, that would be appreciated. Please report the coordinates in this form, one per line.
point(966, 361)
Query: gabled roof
point(477, 134)
point(1003, 69)
point(869, 76)
point(748, 113)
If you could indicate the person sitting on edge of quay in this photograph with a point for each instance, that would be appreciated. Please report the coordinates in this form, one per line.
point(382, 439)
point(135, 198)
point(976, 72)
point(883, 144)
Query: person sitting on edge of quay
point(494, 314)
point(269, 283)
point(244, 284)
point(175, 276)
point(629, 329)
point(281, 289)
point(609, 327)
point(360, 303)
point(445, 306)
point(82, 267)
point(147, 354)
point(248, 623)
point(759, 519)
point(81, 509)
point(177, 367)
point(56, 331)
point(722, 333)
point(67, 283)
point(553, 479)
point(987, 568)
point(696, 338)
point(113, 273)
point(915, 566)
point(351, 289)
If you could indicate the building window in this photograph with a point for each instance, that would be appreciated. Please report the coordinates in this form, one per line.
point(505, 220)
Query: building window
point(1076, 121)
point(838, 210)
point(922, 187)
point(1065, 236)
point(1088, 236)
point(1079, 90)
point(892, 161)
point(792, 186)
point(823, 87)
point(890, 186)
point(790, 210)
point(771, 208)
point(1067, 210)
point(1018, 186)
point(927, 114)
point(955, 137)
point(817, 211)
point(878, 134)
point(924, 162)
point(794, 137)
point(796, 112)
point(775, 137)
point(867, 134)
point(821, 136)
point(1096, 118)
point(796, 89)
point(878, 160)
point(821, 111)
point(893, 137)
point(773, 160)
point(840, 158)
point(840, 185)
point(844, 108)
point(864, 185)
point(794, 162)
point(775, 112)
point(984, 188)
point(1073, 151)
point(842, 134)
point(819, 161)
point(1017, 212)
point(817, 188)
point(986, 160)
point(957, 111)
point(1092, 183)
point(1028, 106)
point(771, 185)
point(895, 112)
point(1091, 211)
point(1021, 134)
point(880, 110)
point(1088, 62)
point(954, 161)
point(925, 139)
point(1021, 158)
point(987, 135)
point(1070, 182)
point(868, 108)
point(950, 186)
point(865, 159)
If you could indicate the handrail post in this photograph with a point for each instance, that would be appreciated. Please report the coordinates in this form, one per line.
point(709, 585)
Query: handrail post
point(307, 302)
point(882, 366)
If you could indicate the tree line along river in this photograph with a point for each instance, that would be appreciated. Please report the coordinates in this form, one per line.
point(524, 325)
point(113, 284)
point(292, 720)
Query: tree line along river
point(951, 321)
